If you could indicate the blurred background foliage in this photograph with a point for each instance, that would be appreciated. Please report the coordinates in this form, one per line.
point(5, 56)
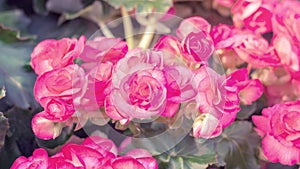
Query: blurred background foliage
point(24, 23)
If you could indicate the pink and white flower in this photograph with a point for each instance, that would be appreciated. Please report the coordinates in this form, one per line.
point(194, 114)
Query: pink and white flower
point(45, 128)
point(142, 86)
point(280, 129)
point(217, 101)
point(255, 15)
point(193, 24)
point(249, 89)
point(95, 152)
point(256, 51)
point(63, 83)
point(38, 160)
point(53, 54)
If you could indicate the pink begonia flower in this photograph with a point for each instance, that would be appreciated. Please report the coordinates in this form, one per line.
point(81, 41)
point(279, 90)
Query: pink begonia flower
point(193, 24)
point(194, 48)
point(226, 38)
point(199, 46)
point(96, 88)
point(218, 103)
point(286, 19)
point(95, 152)
point(256, 51)
point(102, 145)
point(206, 125)
point(63, 83)
point(86, 157)
point(45, 128)
point(142, 86)
point(280, 129)
point(102, 49)
point(99, 56)
point(135, 159)
point(53, 54)
point(287, 51)
point(172, 50)
point(55, 91)
point(61, 163)
point(249, 89)
point(255, 15)
point(286, 38)
point(38, 160)
point(195, 39)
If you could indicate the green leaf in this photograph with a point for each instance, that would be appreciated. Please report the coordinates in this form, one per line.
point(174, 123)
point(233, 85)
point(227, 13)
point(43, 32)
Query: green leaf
point(236, 147)
point(12, 24)
point(188, 154)
point(246, 111)
point(143, 5)
point(3, 128)
point(20, 139)
point(182, 163)
point(14, 19)
point(8, 35)
point(18, 83)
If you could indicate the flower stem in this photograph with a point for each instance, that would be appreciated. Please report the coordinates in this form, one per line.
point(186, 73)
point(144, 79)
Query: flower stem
point(148, 35)
point(134, 129)
point(105, 30)
point(128, 28)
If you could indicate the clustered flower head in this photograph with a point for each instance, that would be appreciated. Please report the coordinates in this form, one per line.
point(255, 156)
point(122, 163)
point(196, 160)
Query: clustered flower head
point(111, 82)
point(94, 152)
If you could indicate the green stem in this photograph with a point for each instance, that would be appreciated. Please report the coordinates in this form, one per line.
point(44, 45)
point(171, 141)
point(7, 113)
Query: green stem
point(134, 129)
point(128, 28)
point(147, 36)
point(105, 30)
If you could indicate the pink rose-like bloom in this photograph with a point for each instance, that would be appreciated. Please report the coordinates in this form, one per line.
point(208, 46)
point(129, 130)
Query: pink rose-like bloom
point(95, 152)
point(255, 15)
point(196, 41)
point(99, 56)
point(53, 54)
point(102, 49)
point(194, 48)
point(287, 51)
point(286, 19)
point(96, 89)
point(135, 159)
point(218, 103)
point(249, 89)
point(63, 83)
point(286, 34)
point(256, 51)
point(142, 86)
point(226, 38)
point(280, 129)
point(172, 50)
point(38, 160)
point(45, 128)
point(193, 24)
point(199, 46)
